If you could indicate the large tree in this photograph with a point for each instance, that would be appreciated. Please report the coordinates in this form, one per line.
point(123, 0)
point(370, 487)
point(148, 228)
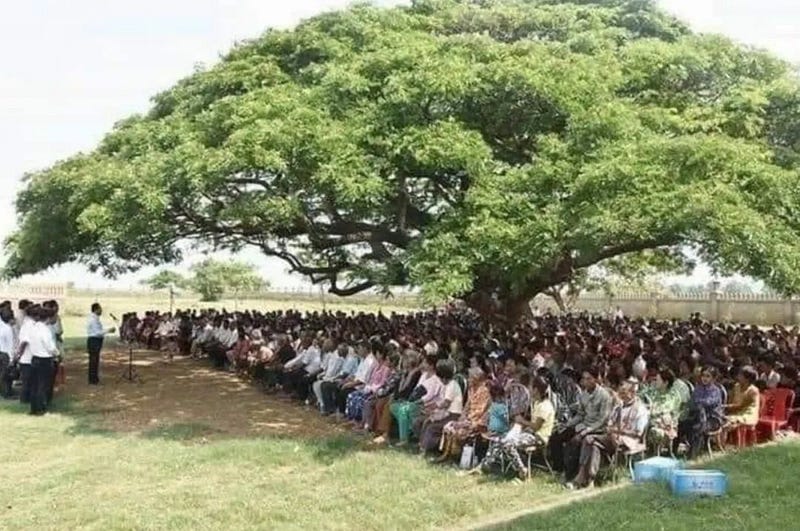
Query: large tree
point(486, 149)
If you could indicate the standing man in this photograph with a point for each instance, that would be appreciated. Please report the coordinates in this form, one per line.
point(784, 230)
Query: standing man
point(6, 349)
point(53, 321)
point(94, 342)
point(23, 357)
point(43, 351)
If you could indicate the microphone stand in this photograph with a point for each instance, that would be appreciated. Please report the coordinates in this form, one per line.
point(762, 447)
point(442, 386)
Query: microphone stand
point(129, 373)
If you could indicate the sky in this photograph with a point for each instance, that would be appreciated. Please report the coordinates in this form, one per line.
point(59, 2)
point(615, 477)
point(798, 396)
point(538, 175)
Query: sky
point(70, 70)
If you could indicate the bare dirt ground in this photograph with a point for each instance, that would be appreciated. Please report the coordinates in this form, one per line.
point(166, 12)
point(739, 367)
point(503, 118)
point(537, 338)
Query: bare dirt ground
point(188, 393)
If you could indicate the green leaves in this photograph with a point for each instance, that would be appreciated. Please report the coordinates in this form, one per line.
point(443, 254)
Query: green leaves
point(213, 278)
point(494, 148)
point(166, 279)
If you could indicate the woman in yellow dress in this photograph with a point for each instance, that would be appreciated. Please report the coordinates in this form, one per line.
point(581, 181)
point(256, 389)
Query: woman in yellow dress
point(743, 407)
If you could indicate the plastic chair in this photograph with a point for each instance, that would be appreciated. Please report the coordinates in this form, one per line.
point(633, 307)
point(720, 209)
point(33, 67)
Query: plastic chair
point(715, 437)
point(773, 413)
point(744, 435)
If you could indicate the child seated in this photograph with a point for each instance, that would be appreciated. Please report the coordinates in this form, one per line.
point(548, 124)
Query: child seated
point(498, 413)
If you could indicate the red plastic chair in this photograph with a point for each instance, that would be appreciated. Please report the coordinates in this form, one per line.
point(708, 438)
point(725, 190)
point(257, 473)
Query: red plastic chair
point(744, 436)
point(773, 414)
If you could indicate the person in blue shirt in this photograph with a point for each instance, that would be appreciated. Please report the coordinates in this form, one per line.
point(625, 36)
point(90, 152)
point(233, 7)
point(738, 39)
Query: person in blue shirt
point(498, 412)
point(498, 426)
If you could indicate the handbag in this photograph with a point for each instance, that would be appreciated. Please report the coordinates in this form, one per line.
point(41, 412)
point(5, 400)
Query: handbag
point(418, 393)
point(467, 461)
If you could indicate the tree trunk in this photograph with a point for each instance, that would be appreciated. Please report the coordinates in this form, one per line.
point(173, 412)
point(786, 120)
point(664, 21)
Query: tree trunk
point(506, 312)
point(558, 298)
point(517, 309)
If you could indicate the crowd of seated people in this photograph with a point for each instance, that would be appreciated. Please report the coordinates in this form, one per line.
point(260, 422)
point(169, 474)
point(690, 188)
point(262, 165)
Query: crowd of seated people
point(573, 390)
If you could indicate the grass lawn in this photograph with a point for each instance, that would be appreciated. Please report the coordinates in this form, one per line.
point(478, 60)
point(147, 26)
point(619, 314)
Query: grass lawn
point(761, 495)
point(118, 459)
point(193, 448)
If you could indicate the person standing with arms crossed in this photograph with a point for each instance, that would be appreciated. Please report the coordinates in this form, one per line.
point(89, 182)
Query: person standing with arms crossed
point(94, 342)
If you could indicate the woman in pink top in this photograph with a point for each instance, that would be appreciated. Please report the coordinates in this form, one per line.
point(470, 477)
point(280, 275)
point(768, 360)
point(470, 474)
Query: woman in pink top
point(379, 375)
point(355, 400)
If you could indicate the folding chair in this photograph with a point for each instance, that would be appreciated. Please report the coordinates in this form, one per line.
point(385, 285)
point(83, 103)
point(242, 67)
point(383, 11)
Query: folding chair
point(717, 436)
point(629, 455)
point(545, 466)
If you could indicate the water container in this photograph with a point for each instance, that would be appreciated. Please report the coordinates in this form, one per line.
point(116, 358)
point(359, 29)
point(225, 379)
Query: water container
point(699, 483)
point(655, 469)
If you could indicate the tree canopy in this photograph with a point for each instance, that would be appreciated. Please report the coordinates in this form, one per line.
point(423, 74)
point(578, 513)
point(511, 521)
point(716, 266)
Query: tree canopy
point(488, 149)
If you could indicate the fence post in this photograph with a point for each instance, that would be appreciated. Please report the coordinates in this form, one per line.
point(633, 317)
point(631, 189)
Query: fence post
point(794, 304)
point(654, 304)
point(714, 301)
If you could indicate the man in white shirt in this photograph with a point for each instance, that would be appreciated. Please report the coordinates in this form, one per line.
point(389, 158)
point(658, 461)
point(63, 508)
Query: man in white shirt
point(43, 350)
point(361, 376)
point(94, 342)
point(304, 370)
point(205, 334)
point(53, 323)
point(6, 349)
point(23, 356)
point(331, 365)
point(224, 338)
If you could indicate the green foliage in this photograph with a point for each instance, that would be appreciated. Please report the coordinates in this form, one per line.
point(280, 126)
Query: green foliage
point(213, 278)
point(492, 148)
point(165, 279)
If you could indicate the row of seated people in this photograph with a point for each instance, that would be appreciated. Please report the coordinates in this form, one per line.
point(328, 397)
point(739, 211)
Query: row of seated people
point(505, 405)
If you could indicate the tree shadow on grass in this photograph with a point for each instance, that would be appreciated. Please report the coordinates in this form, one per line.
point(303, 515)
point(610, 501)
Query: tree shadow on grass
point(89, 422)
point(189, 402)
point(181, 431)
